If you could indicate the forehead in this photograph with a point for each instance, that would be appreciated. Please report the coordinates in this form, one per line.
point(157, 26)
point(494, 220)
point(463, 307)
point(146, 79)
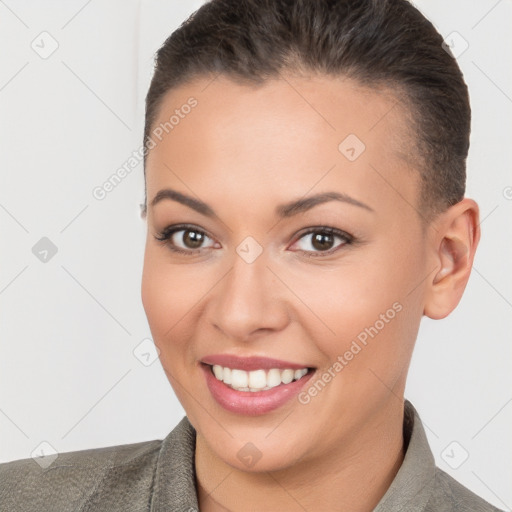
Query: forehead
point(285, 134)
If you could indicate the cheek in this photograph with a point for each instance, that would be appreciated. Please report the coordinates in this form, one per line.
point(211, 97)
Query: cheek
point(168, 295)
point(369, 354)
point(343, 300)
point(364, 306)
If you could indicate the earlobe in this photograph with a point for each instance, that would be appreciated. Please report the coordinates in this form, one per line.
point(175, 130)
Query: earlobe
point(456, 240)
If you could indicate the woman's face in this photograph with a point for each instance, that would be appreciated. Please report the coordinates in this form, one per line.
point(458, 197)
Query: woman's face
point(333, 286)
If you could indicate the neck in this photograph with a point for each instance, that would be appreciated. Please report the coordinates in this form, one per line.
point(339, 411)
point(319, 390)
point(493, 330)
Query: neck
point(359, 474)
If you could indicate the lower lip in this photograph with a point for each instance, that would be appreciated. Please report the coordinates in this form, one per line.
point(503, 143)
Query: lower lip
point(252, 403)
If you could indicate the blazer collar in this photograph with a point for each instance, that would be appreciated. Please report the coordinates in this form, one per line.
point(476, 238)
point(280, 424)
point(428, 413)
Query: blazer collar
point(175, 487)
point(414, 483)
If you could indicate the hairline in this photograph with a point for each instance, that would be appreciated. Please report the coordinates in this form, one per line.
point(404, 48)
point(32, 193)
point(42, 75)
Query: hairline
point(393, 90)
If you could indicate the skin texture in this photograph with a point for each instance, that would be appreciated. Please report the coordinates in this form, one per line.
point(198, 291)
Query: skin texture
point(244, 150)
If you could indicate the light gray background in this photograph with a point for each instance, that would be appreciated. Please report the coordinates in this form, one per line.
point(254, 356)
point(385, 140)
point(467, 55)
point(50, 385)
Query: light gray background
point(69, 326)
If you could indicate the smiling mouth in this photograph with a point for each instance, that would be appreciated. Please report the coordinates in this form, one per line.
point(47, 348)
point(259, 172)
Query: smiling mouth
point(257, 380)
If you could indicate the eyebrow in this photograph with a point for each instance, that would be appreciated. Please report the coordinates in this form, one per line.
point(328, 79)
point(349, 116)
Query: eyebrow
point(284, 210)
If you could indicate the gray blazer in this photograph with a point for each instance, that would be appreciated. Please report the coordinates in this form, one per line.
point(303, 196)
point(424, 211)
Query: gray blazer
point(158, 476)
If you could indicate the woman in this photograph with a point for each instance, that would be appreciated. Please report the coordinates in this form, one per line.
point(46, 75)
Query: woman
point(305, 178)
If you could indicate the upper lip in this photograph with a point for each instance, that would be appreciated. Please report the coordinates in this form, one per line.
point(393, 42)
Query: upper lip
point(250, 363)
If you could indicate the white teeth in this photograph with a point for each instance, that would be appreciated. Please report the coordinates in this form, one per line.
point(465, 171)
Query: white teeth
point(256, 380)
point(287, 376)
point(217, 371)
point(239, 379)
point(300, 373)
point(273, 378)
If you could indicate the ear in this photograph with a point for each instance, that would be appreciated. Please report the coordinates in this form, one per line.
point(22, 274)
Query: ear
point(456, 233)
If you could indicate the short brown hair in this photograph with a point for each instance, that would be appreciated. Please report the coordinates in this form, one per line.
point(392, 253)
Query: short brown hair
point(376, 42)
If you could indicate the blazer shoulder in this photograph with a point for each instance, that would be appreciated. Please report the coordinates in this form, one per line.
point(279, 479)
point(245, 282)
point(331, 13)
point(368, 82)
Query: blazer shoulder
point(110, 475)
point(451, 496)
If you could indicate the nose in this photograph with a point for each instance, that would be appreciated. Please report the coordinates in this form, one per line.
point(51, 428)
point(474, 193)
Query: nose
point(249, 301)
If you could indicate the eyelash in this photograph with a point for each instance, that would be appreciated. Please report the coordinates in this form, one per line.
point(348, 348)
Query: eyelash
point(165, 235)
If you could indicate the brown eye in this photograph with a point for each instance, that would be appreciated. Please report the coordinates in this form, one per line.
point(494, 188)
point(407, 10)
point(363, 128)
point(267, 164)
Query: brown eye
point(184, 239)
point(191, 239)
point(322, 240)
